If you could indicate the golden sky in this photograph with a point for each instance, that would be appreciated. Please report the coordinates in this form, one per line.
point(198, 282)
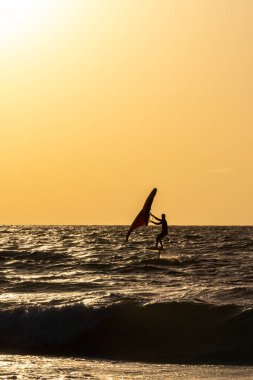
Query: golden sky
point(102, 100)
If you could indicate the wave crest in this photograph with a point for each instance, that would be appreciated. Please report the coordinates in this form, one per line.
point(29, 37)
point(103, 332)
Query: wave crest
point(162, 332)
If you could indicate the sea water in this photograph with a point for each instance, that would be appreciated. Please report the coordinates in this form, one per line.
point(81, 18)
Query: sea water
point(78, 302)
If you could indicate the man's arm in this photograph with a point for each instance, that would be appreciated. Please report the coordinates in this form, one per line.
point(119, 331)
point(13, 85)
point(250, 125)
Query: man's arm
point(151, 221)
point(155, 217)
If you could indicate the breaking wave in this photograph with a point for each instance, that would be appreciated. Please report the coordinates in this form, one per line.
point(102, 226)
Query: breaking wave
point(174, 332)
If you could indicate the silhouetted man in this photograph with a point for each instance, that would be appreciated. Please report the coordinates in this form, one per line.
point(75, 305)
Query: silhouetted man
point(164, 232)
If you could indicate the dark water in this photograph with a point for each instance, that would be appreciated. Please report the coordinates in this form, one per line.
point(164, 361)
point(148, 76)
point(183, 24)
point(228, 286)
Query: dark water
point(80, 291)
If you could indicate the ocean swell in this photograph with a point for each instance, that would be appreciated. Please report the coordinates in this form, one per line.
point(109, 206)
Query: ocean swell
point(175, 332)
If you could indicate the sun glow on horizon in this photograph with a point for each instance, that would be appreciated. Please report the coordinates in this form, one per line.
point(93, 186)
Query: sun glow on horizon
point(102, 100)
point(19, 19)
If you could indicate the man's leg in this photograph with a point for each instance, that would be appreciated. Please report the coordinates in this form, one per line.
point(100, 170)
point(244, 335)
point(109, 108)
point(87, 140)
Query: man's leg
point(158, 240)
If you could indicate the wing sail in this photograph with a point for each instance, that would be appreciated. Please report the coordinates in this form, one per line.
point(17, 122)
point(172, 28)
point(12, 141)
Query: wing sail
point(143, 217)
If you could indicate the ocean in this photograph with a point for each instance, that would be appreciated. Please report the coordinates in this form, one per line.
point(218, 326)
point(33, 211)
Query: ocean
point(77, 302)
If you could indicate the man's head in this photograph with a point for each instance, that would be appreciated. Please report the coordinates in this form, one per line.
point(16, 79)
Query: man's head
point(163, 216)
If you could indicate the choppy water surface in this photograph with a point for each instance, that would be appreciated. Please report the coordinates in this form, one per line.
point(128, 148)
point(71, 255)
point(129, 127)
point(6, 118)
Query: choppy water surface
point(81, 291)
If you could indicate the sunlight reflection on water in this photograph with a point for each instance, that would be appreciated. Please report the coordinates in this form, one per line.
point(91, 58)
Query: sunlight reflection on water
point(38, 367)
